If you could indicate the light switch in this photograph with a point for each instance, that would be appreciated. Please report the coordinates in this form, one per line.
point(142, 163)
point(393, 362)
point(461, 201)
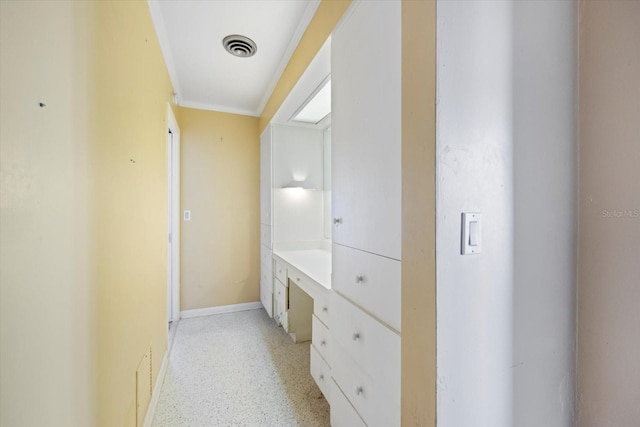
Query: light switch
point(471, 233)
point(187, 216)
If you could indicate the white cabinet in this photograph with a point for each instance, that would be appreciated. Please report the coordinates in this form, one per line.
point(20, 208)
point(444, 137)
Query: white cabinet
point(342, 412)
point(265, 176)
point(265, 236)
point(367, 343)
point(321, 373)
point(280, 270)
point(370, 281)
point(289, 217)
point(367, 396)
point(266, 241)
point(321, 339)
point(280, 304)
point(321, 308)
point(364, 311)
point(366, 132)
point(306, 274)
point(266, 280)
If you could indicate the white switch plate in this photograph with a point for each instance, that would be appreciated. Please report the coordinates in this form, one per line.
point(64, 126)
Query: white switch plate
point(187, 216)
point(471, 233)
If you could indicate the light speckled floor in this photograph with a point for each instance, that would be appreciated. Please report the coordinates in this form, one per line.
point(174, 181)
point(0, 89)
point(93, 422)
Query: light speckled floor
point(238, 369)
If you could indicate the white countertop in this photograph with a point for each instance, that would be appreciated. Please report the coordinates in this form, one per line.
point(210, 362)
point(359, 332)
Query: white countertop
point(315, 263)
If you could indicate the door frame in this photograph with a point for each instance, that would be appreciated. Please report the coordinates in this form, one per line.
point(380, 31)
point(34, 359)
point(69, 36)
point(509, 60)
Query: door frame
point(173, 217)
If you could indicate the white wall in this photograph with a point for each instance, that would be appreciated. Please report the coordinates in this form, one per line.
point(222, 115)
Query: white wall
point(297, 154)
point(297, 214)
point(545, 214)
point(474, 169)
point(326, 212)
point(505, 148)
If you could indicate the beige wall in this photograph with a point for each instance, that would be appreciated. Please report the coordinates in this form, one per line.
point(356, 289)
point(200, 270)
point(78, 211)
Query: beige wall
point(83, 219)
point(418, 213)
point(47, 288)
point(609, 230)
point(220, 176)
point(327, 15)
point(131, 91)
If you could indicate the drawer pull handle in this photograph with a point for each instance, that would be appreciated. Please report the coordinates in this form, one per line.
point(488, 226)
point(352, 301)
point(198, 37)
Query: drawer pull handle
point(337, 220)
point(359, 279)
point(359, 390)
point(356, 336)
point(325, 309)
point(323, 343)
point(298, 279)
point(321, 377)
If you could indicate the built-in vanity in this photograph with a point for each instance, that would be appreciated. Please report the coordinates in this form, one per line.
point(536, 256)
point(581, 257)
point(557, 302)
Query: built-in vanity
point(307, 274)
point(331, 218)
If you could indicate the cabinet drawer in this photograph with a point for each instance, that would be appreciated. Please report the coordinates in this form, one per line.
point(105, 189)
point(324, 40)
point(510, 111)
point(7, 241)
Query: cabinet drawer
point(321, 339)
point(342, 413)
point(367, 395)
point(321, 308)
point(280, 271)
point(370, 281)
point(321, 373)
point(266, 258)
point(266, 293)
point(277, 312)
point(265, 236)
point(266, 277)
point(375, 347)
point(280, 300)
point(267, 301)
point(300, 279)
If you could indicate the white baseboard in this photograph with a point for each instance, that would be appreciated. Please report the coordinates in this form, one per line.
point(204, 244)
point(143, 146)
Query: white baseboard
point(186, 314)
point(155, 396)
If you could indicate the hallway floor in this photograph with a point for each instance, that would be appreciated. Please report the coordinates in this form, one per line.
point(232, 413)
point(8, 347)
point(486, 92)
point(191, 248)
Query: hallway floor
point(238, 369)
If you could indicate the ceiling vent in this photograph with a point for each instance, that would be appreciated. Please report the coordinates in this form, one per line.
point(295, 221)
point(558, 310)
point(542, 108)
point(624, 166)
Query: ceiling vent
point(240, 46)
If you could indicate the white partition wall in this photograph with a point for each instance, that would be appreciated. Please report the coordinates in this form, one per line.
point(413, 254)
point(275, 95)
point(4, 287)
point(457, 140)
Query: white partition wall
point(506, 149)
point(545, 192)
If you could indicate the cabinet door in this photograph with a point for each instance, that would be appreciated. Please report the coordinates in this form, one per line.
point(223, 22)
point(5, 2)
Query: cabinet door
point(266, 280)
point(265, 176)
point(366, 132)
point(266, 294)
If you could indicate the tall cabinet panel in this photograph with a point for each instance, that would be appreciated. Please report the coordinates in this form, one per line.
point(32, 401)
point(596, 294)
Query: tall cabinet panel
point(265, 176)
point(266, 218)
point(366, 96)
point(366, 211)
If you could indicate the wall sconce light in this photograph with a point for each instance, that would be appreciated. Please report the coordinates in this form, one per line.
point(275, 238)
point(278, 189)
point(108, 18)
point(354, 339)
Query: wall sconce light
point(302, 185)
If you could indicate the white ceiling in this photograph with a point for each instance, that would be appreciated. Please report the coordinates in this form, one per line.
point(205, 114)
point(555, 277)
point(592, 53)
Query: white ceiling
point(203, 73)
